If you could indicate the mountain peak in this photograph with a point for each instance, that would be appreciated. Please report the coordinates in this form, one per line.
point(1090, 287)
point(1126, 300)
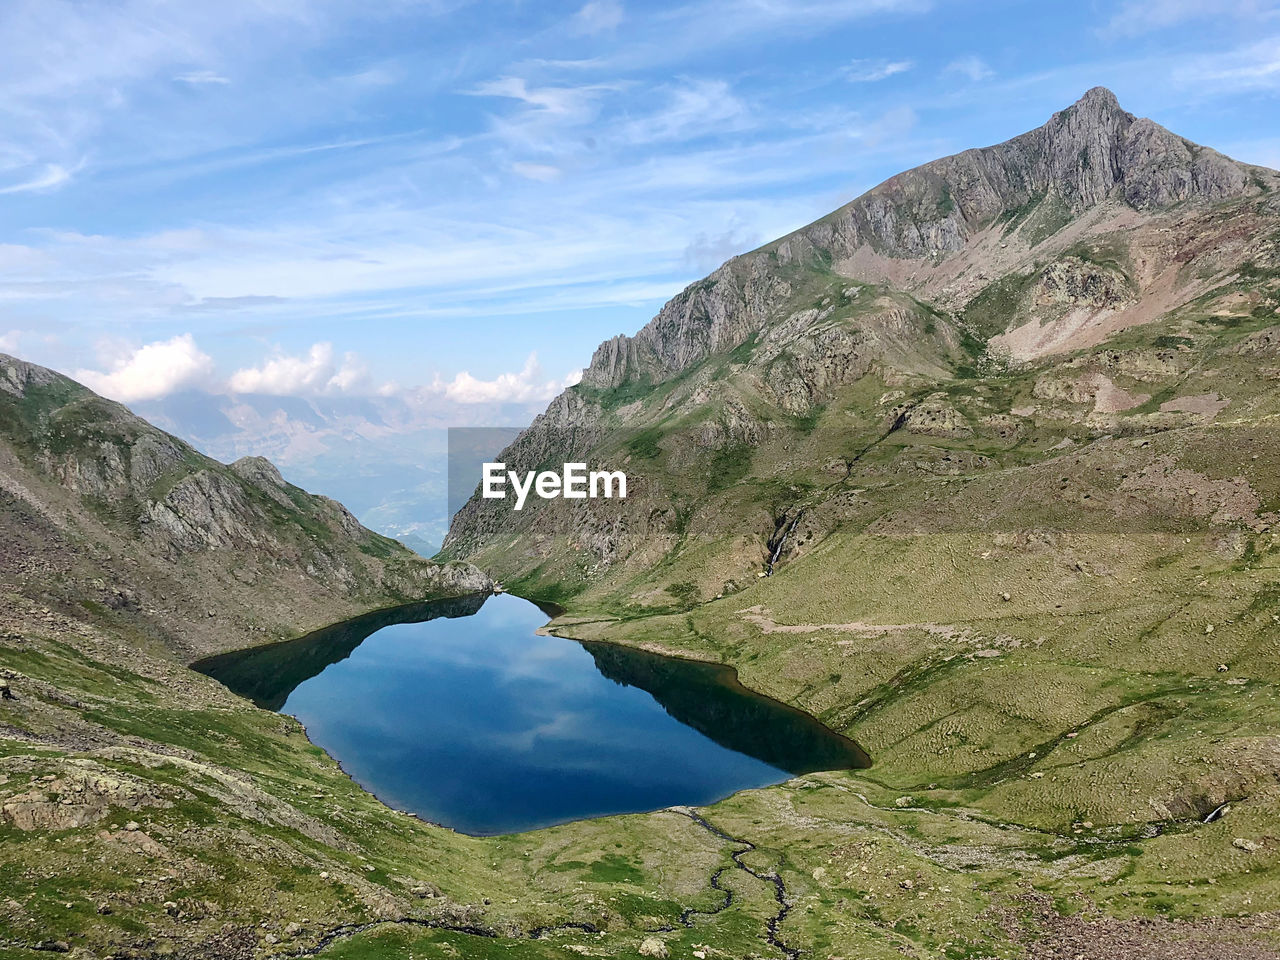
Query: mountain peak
point(1098, 110)
point(1090, 153)
point(1084, 156)
point(1099, 96)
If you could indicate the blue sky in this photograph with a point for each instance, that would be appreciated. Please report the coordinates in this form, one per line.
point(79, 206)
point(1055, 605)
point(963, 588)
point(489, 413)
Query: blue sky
point(328, 197)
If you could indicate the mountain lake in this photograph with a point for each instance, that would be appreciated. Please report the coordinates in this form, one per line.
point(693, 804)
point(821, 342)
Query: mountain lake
point(458, 711)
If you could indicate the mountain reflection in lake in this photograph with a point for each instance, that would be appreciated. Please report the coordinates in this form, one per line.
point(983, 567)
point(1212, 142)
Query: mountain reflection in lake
point(459, 712)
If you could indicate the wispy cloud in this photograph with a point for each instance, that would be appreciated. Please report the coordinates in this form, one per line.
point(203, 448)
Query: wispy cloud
point(972, 68)
point(200, 77)
point(597, 16)
point(1145, 16)
point(53, 176)
point(693, 108)
point(545, 113)
point(542, 172)
point(566, 101)
point(1252, 68)
point(872, 71)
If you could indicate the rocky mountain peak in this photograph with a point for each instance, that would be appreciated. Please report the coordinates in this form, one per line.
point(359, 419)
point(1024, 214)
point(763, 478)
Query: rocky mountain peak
point(1091, 153)
point(1099, 98)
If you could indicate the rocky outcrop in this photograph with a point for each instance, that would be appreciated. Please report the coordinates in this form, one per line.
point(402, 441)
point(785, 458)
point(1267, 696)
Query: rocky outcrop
point(17, 376)
point(711, 316)
point(85, 794)
point(1072, 282)
point(263, 475)
point(934, 417)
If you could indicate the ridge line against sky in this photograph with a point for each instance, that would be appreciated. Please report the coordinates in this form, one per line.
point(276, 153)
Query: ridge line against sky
point(321, 199)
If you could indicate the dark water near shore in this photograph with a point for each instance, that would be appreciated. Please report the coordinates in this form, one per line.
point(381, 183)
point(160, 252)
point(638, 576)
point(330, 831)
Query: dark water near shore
point(457, 711)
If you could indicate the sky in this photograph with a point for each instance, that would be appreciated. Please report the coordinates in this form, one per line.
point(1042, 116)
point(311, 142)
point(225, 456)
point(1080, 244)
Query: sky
point(329, 198)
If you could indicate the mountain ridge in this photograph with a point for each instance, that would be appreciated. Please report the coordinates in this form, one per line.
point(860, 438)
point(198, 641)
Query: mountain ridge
point(92, 475)
point(1052, 243)
point(1087, 153)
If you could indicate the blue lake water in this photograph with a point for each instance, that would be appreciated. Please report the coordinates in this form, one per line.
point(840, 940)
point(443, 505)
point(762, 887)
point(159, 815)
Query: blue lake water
point(459, 712)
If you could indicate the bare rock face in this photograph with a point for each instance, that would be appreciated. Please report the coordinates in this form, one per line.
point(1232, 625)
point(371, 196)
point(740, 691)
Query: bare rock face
point(17, 376)
point(713, 315)
point(1160, 168)
point(1073, 282)
point(205, 509)
point(1091, 152)
point(264, 476)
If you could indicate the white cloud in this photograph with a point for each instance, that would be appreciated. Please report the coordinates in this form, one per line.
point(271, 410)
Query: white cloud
point(9, 342)
point(870, 71)
point(153, 371)
point(319, 372)
point(542, 172)
point(54, 175)
point(971, 67)
point(527, 386)
point(597, 16)
point(1145, 16)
